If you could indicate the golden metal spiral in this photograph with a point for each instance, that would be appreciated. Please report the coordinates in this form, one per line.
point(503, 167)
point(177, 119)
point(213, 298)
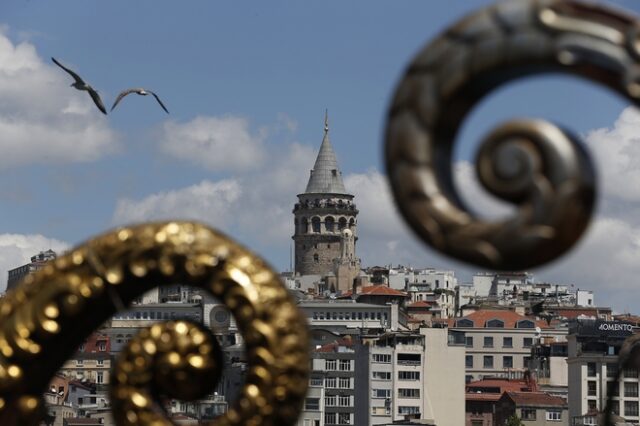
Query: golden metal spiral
point(52, 312)
point(536, 165)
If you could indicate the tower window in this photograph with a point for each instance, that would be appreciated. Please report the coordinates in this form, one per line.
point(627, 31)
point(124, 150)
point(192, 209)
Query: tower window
point(315, 224)
point(316, 258)
point(334, 172)
point(329, 224)
point(328, 245)
point(342, 223)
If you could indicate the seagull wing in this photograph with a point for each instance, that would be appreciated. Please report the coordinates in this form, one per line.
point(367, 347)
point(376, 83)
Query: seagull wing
point(159, 101)
point(75, 76)
point(97, 100)
point(122, 95)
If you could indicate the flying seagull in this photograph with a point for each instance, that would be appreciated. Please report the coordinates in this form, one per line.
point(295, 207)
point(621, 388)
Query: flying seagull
point(81, 85)
point(139, 91)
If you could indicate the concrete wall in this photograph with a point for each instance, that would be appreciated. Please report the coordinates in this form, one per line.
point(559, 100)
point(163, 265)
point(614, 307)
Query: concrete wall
point(444, 378)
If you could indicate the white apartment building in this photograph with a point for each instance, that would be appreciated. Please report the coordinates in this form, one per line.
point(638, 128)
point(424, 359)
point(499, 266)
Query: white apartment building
point(417, 374)
point(336, 314)
point(498, 342)
point(593, 347)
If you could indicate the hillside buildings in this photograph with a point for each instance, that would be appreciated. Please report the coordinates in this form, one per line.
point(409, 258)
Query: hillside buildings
point(390, 345)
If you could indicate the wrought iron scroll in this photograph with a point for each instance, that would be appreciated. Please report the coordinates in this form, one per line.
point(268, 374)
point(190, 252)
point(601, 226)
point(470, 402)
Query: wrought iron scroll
point(536, 165)
point(51, 313)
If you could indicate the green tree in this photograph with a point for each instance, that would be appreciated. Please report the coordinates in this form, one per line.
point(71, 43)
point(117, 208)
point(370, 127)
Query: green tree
point(514, 421)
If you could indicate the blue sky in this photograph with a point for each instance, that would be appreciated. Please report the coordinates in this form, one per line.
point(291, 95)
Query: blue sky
point(256, 77)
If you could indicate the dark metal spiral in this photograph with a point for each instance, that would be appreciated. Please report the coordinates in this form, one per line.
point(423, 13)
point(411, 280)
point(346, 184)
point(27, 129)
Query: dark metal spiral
point(53, 311)
point(536, 165)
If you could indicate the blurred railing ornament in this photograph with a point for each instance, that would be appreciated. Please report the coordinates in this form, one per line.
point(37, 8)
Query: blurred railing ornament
point(45, 319)
point(536, 165)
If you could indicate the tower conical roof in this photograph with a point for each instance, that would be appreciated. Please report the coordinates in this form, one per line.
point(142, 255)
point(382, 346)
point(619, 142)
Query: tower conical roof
point(325, 177)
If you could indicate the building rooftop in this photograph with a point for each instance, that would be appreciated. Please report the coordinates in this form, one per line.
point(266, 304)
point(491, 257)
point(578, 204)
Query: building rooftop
point(538, 399)
point(510, 318)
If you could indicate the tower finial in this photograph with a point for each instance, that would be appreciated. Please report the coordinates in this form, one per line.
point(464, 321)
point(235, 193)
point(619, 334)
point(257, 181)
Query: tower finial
point(326, 120)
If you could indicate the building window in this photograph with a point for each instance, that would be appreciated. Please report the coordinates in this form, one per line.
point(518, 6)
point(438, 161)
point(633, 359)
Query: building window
point(330, 382)
point(316, 382)
point(382, 358)
point(79, 362)
point(507, 362)
point(409, 359)
point(488, 342)
point(381, 375)
point(408, 410)
point(528, 414)
point(488, 361)
point(344, 401)
point(554, 415)
point(100, 362)
point(464, 323)
point(527, 342)
point(591, 405)
point(612, 370)
point(329, 223)
point(345, 365)
point(316, 258)
point(468, 361)
point(330, 400)
point(525, 324)
point(591, 369)
point(100, 377)
point(507, 342)
point(615, 407)
point(631, 389)
point(330, 418)
point(315, 224)
point(381, 393)
point(468, 341)
point(495, 323)
point(408, 375)
point(312, 404)
point(408, 393)
point(630, 373)
point(613, 389)
point(344, 383)
point(591, 388)
point(468, 378)
point(331, 365)
point(631, 408)
point(344, 418)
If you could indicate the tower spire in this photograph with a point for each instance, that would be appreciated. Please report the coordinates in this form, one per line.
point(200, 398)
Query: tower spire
point(326, 121)
point(326, 177)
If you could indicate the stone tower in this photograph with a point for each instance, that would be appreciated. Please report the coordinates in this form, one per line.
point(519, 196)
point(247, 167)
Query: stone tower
point(322, 212)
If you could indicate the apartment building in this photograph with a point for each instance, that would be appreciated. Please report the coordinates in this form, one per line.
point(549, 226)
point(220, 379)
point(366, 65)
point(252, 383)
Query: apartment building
point(593, 347)
point(338, 315)
point(498, 342)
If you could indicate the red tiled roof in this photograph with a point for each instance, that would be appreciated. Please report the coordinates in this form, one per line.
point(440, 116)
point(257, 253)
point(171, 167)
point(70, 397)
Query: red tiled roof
point(537, 399)
point(510, 318)
point(331, 347)
point(381, 290)
point(375, 290)
point(479, 396)
point(503, 384)
point(421, 304)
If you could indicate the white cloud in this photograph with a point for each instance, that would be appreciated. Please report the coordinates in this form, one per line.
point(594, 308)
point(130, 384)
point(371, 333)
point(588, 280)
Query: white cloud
point(254, 208)
point(211, 202)
point(17, 249)
point(216, 143)
point(42, 119)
